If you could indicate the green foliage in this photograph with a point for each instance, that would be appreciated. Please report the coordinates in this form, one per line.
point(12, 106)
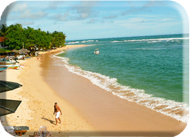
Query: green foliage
point(58, 38)
point(3, 30)
point(17, 36)
point(4, 50)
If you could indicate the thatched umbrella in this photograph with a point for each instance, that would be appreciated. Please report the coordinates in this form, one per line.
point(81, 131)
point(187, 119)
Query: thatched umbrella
point(23, 51)
point(16, 51)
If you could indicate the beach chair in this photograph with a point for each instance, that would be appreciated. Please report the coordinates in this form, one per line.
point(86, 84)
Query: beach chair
point(42, 129)
point(43, 132)
point(11, 131)
point(21, 130)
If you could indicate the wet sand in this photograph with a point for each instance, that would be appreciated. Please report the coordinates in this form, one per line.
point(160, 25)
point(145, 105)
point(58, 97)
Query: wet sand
point(108, 114)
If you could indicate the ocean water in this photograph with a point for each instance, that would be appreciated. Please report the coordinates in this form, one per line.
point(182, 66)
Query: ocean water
point(148, 70)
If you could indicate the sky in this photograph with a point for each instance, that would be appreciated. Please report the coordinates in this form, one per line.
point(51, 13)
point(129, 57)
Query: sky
point(100, 19)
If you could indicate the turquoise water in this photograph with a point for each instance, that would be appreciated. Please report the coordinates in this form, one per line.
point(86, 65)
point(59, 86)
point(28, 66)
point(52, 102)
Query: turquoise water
point(149, 66)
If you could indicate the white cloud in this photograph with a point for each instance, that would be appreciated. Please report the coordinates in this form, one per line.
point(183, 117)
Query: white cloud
point(166, 19)
point(27, 14)
point(135, 23)
point(5, 8)
point(135, 20)
point(18, 6)
point(131, 10)
point(54, 4)
point(154, 3)
point(111, 17)
point(19, 10)
point(91, 21)
point(141, 24)
point(60, 17)
point(145, 8)
point(86, 4)
point(80, 11)
point(26, 23)
point(84, 9)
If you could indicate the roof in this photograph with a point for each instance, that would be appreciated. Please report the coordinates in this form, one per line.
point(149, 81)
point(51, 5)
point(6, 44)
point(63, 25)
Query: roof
point(2, 39)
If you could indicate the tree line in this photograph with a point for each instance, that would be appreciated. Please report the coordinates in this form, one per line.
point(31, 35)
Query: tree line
point(16, 36)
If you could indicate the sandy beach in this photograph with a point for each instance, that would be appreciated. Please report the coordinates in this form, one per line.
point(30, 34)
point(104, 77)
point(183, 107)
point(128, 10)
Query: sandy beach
point(87, 109)
point(38, 100)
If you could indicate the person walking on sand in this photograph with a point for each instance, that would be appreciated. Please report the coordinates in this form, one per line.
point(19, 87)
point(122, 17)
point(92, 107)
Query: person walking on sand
point(57, 112)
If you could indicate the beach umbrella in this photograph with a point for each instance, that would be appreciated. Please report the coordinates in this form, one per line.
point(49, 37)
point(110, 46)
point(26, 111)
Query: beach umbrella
point(8, 106)
point(23, 51)
point(16, 51)
point(6, 86)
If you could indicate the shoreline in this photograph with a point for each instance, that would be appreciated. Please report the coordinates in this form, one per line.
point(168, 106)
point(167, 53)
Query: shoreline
point(67, 47)
point(155, 103)
point(91, 110)
point(40, 94)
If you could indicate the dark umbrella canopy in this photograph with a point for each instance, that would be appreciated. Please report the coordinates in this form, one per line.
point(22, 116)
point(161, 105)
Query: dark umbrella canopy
point(6, 86)
point(8, 106)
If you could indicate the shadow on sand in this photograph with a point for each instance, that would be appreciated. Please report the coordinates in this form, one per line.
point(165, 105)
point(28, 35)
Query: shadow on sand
point(51, 121)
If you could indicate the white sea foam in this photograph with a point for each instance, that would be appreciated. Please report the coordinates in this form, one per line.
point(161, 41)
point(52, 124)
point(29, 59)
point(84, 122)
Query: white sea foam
point(86, 41)
point(73, 42)
point(166, 107)
point(154, 40)
point(64, 59)
point(148, 49)
point(117, 41)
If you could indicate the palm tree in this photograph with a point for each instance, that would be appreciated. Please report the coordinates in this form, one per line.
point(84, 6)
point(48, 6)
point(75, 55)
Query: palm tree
point(3, 31)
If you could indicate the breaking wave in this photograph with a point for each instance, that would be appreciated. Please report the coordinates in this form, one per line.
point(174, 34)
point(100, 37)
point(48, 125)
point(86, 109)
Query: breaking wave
point(84, 41)
point(176, 110)
point(153, 40)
